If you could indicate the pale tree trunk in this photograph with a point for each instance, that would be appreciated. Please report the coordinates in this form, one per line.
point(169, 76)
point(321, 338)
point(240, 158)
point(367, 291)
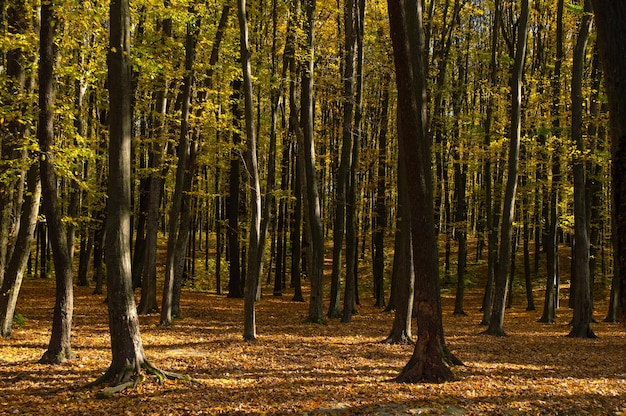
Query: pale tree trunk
point(581, 322)
point(428, 362)
point(254, 257)
point(506, 230)
point(59, 348)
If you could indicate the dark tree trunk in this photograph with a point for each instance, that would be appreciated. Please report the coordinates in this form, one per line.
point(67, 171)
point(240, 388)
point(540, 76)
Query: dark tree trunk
point(506, 229)
point(343, 174)
point(403, 262)
point(582, 296)
point(311, 190)
point(610, 17)
point(380, 219)
point(490, 221)
point(254, 244)
point(428, 362)
point(551, 239)
point(461, 232)
point(59, 348)
point(235, 287)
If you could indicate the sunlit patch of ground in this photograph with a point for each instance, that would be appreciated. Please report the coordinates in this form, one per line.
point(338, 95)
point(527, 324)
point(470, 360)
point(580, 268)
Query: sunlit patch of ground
point(299, 368)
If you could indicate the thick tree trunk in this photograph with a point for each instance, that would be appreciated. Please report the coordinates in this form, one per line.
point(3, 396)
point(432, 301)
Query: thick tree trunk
point(428, 362)
point(610, 17)
point(59, 348)
point(506, 230)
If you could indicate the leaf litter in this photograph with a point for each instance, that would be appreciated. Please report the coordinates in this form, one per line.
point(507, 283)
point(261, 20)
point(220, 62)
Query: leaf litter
point(300, 368)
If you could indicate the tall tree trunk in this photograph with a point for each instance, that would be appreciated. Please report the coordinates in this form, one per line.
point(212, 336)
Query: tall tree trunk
point(506, 230)
point(158, 146)
point(343, 174)
point(128, 357)
point(254, 245)
point(610, 17)
point(311, 189)
point(59, 348)
point(428, 362)
point(189, 170)
point(16, 267)
point(380, 218)
point(552, 221)
point(403, 261)
point(490, 223)
point(582, 296)
point(235, 288)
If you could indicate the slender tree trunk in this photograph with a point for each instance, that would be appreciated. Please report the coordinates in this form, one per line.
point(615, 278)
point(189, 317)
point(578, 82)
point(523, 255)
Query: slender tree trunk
point(235, 288)
point(59, 348)
point(506, 230)
point(14, 275)
point(403, 262)
point(380, 219)
point(343, 174)
point(254, 245)
point(552, 221)
point(490, 225)
point(312, 206)
point(582, 295)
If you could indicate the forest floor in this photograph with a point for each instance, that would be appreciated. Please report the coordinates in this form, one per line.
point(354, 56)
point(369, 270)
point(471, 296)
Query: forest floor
point(315, 369)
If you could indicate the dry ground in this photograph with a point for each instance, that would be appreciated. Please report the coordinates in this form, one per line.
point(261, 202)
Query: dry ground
point(310, 368)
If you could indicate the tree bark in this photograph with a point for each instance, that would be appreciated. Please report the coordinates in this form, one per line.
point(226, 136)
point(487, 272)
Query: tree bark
point(582, 296)
point(59, 348)
point(311, 190)
point(428, 362)
point(254, 255)
point(14, 275)
point(506, 230)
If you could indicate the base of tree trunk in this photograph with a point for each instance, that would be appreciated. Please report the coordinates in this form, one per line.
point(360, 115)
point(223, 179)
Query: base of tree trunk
point(129, 376)
point(334, 313)
point(422, 371)
point(399, 339)
point(496, 332)
point(530, 308)
point(582, 331)
point(460, 312)
point(297, 298)
point(56, 358)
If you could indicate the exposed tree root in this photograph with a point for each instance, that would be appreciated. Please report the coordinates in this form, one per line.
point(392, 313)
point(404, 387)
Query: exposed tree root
point(424, 371)
point(130, 376)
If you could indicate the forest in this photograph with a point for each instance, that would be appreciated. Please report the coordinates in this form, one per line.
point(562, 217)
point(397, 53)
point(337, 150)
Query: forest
point(276, 206)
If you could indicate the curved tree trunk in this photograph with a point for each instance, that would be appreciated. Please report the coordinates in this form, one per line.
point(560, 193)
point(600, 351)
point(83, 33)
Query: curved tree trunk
point(17, 264)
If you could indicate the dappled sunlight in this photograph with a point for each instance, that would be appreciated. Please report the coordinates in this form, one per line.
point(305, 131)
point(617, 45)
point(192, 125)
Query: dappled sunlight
point(297, 367)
